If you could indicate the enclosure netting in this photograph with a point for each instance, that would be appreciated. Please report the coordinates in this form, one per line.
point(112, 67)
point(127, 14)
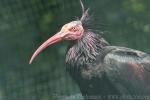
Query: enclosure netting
point(25, 24)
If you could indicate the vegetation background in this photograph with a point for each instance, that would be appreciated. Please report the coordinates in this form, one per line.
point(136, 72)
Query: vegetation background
point(25, 24)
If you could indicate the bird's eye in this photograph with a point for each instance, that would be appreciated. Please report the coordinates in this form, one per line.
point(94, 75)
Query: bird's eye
point(73, 29)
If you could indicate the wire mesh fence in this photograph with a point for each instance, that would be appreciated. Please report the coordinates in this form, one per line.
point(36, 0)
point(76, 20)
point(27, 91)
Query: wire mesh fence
point(25, 24)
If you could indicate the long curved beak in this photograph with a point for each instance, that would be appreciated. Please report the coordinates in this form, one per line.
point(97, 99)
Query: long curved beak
point(54, 39)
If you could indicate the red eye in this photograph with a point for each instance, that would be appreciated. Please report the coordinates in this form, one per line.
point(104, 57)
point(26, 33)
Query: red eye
point(73, 29)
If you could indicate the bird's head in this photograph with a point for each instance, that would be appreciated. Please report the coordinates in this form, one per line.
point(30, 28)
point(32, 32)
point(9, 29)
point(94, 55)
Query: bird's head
point(71, 31)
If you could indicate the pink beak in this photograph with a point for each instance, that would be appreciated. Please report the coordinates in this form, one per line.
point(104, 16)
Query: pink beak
point(54, 39)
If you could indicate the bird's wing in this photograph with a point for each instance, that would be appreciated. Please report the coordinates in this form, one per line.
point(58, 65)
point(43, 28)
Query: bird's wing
point(128, 68)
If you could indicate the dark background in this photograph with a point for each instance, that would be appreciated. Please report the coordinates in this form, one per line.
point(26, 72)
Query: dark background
point(25, 24)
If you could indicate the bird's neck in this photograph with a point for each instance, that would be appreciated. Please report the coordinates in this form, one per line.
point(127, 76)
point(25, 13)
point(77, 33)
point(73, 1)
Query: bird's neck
point(84, 50)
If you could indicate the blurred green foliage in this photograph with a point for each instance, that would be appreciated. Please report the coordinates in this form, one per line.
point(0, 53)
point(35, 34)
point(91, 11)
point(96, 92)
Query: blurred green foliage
point(25, 24)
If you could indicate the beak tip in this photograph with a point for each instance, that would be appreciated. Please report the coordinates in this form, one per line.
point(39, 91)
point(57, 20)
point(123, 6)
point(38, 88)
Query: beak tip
point(31, 60)
point(30, 63)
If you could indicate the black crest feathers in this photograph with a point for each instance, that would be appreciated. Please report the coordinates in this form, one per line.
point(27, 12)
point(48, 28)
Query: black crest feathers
point(84, 17)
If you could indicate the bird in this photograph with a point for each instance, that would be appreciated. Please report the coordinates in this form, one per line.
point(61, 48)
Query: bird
point(102, 71)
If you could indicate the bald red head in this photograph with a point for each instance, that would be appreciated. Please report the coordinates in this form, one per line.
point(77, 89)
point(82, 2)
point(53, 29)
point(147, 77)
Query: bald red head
point(70, 31)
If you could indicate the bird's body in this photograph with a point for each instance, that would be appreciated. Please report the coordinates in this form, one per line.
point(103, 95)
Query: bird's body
point(104, 72)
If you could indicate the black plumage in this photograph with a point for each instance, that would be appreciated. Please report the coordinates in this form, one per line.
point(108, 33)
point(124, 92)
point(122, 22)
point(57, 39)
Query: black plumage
point(107, 72)
point(102, 71)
